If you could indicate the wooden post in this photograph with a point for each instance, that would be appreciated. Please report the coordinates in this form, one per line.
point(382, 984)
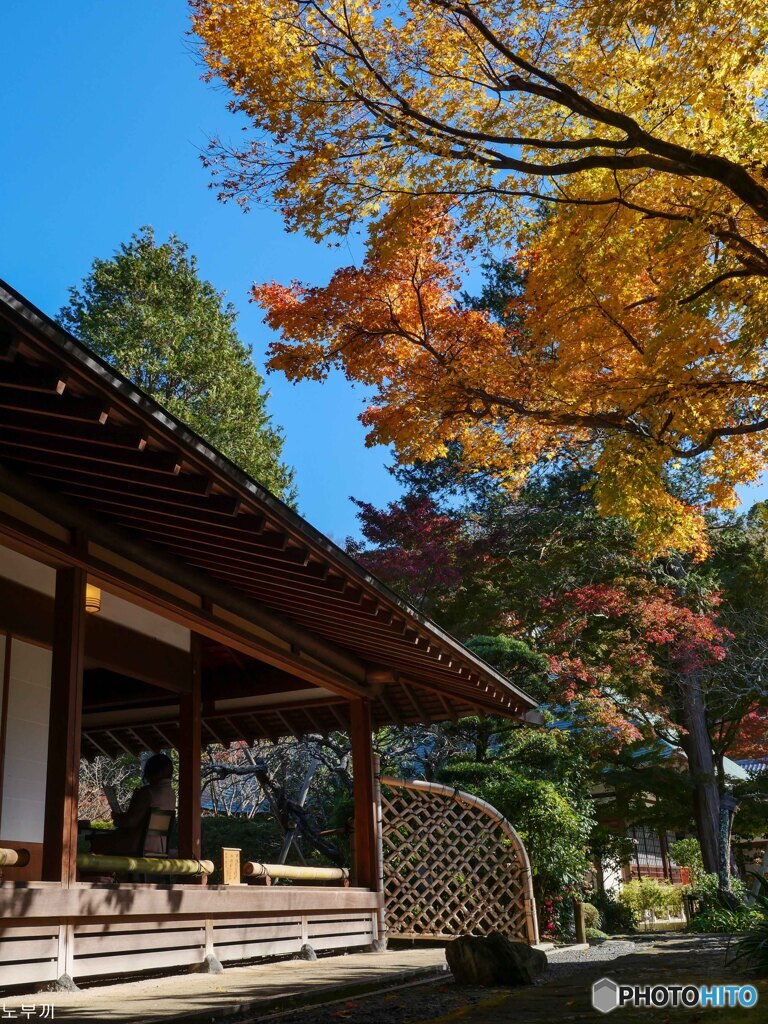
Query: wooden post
point(381, 920)
point(578, 918)
point(190, 747)
point(363, 779)
point(63, 773)
point(666, 865)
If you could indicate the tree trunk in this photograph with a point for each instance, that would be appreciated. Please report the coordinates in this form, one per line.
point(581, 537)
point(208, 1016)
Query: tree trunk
point(701, 765)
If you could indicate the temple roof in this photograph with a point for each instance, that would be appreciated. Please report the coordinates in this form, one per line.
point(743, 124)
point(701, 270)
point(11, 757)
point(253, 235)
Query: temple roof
point(135, 479)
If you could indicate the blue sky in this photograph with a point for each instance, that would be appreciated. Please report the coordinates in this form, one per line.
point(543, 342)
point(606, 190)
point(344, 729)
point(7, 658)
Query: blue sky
point(104, 115)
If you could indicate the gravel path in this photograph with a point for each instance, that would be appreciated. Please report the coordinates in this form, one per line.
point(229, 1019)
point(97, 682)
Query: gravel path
point(565, 961)
point(562, 994)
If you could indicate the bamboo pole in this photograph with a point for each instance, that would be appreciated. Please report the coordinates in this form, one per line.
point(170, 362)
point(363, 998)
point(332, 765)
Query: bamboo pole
point(295, 872)
point(13, 858)
point(143, 865)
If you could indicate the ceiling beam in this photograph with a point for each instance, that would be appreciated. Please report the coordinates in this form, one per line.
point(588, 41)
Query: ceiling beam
point(146, 461)
point(10, 340)
point(31, 378)
point(86, 410)
point(131, 438)
point(331, 666)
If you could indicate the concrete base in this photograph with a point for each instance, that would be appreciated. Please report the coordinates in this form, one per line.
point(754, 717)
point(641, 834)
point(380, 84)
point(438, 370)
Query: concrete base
point(252, 992)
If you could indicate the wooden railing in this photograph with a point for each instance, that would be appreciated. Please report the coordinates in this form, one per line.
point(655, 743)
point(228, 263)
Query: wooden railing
point(295, 873)
point(13, 858)
point(99, 862)
point(93, 930)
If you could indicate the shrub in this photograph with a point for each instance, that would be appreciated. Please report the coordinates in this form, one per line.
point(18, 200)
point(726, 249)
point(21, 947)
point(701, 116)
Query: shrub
point(648, 895)
point(707, 890)
point(686, 853)
point(721, 920)
point(592, 918)
point(616, 918)
point(595, 933)
point(714, 914)
point(753, 947)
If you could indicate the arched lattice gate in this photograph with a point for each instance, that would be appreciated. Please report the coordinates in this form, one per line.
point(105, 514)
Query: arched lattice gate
point(452, 865)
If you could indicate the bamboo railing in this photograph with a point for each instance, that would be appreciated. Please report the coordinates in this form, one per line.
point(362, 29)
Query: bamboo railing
point(295, 873)
point(13, 858)
point(94, 862)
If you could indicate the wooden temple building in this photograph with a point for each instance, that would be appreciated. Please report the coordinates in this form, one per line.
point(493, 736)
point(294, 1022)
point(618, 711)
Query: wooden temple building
point(153, 596)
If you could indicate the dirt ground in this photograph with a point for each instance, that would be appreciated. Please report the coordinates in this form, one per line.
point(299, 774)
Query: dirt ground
point(564, 994)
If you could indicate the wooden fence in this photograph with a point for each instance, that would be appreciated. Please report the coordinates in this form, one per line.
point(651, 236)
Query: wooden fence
point(452, 865)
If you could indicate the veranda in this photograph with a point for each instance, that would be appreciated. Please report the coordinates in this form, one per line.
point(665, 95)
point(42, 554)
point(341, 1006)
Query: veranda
point(151, 597)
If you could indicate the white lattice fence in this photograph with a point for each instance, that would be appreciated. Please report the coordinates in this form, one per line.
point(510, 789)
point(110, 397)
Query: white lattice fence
point(452, 865)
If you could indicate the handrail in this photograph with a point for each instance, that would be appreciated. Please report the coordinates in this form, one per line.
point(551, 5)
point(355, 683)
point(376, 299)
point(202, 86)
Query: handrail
point(143, 865)
point(295, 872)
point(13, 858)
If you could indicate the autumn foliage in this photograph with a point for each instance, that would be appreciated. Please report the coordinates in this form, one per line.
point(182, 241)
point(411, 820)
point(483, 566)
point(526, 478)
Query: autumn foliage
point(509, 394)
point(414, 547)
point(620, 653)
point(616, 149)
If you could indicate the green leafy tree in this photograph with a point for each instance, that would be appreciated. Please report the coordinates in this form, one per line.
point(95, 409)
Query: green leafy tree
point(539, 780)
point(147, 311)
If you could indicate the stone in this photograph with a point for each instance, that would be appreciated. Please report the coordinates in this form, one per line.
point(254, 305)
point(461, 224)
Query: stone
point(306, 953)
point(211, 965)
point(493, 960)
point(377, 946)
point(62, 984)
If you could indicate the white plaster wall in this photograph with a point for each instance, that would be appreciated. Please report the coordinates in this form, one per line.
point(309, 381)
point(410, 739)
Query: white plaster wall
point(24, 768)
point(42, 578)
point(27, 571)
point(143, 621)
point(612, 880)
point(26, 745)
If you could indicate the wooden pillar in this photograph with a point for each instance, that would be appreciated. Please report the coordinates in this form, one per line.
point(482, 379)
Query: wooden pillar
point(666, 865)
point(63, 773)
point(366, 871)
point(190, 749)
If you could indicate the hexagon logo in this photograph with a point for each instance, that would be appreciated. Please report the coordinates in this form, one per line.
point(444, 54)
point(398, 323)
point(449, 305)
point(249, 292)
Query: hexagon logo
point(605, 995)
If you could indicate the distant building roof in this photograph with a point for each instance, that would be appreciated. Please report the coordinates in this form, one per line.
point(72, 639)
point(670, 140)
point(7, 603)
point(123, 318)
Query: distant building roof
point(754, 766)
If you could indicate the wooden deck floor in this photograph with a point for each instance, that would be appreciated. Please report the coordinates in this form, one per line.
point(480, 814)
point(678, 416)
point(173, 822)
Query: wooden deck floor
point(261, 989)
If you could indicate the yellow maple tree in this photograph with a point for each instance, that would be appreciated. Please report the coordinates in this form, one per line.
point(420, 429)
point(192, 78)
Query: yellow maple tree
point(618, 148)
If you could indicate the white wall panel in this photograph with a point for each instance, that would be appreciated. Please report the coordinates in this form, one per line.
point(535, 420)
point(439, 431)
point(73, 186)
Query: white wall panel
point(27, 571)
point(42, 578)
point(143, 621)
point(26, 749)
